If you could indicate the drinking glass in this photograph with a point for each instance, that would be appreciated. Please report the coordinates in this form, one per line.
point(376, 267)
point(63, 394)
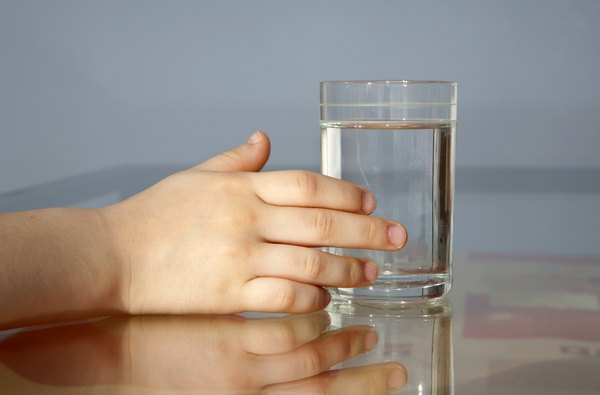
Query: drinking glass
point(396, 139)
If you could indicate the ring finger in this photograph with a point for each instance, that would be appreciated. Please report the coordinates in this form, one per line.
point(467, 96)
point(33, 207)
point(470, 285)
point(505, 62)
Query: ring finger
point(315, 267)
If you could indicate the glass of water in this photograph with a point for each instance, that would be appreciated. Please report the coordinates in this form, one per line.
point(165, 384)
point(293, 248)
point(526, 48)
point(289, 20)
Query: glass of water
point(396, 139)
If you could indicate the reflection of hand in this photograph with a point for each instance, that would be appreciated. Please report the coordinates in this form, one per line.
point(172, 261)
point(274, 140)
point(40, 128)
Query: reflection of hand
point(364, 380)
point(223, 238)
point(227, 353)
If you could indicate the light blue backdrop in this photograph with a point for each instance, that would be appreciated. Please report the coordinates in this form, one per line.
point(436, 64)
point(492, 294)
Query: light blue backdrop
point(86, 85)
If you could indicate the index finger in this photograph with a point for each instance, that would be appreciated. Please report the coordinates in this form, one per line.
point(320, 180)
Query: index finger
point(307, 189)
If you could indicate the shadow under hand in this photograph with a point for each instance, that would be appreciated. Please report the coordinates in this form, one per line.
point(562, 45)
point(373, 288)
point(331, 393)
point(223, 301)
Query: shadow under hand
point(206, 353)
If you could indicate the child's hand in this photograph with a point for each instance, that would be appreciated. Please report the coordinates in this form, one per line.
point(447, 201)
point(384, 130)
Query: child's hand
point(223, 238)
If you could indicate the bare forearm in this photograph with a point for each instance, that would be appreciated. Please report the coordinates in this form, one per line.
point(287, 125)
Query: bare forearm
point(56, 264)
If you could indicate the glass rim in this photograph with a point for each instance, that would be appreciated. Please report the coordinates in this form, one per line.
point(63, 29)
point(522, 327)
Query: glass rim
point(390, 82)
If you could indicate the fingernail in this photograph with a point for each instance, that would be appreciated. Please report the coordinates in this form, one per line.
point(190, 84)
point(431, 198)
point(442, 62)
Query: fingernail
point(255, 138)
point(370, 340)
point(370, 271)
point(368, 202)
point(397, 235)
point(396, 379)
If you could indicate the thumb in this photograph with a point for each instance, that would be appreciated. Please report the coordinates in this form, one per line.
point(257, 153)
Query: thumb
point(250, 156)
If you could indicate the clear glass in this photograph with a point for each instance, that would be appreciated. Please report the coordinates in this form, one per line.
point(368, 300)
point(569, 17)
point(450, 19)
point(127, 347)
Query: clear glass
point(418, 335)
point(396, 138)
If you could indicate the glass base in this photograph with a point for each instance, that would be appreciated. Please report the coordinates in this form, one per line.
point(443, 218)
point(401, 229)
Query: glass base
point(394, 293)
point(408, 308)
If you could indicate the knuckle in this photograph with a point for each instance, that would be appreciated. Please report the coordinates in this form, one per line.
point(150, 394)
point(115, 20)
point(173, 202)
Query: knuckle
point(238, 215)
point(245, 218)
point(285, 298)
point(307, 184)
point(314, 265)
point(372, 231)
point(323, 224)
point(238, 252)
point(372, 385)
point(234, 183)
point(284, 336)
point(312, 362)
point(231, 155)
point(353, 272)
point(347, 349)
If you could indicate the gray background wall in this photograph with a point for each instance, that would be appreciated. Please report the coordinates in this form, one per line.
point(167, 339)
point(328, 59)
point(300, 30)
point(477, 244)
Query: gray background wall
point(86, 85)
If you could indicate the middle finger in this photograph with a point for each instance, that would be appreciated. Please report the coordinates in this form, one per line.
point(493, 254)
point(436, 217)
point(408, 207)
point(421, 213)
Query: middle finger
point(306, 189)
point(317, 227)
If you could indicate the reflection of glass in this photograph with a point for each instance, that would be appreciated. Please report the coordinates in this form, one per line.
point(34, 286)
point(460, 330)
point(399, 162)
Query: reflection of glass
point(417, 334)
point(206, 354)
point(396, 138)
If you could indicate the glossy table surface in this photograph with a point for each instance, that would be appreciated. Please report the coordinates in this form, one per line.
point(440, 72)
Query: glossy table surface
point(517, 321)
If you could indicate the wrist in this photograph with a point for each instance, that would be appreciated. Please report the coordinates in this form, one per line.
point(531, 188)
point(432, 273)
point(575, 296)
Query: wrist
point(59, 265)
point(116, 256)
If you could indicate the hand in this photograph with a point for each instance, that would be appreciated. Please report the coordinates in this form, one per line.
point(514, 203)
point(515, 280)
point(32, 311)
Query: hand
point(202, 353)
point(223, 238)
